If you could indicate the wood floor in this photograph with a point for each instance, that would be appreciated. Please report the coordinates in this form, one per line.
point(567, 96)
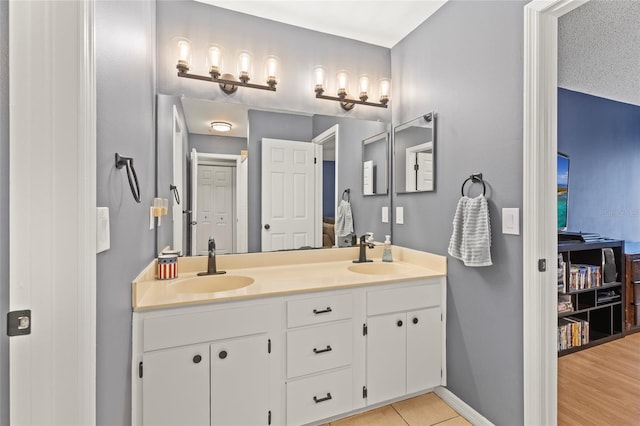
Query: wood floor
point(601, 385)
point(423, 410)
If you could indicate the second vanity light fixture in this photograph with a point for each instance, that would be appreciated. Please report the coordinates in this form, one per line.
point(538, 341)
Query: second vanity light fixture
point(346, 101)
point(228, 83)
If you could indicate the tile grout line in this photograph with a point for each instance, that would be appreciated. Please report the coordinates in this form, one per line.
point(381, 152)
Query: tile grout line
point(399, 414)
point(446, 420)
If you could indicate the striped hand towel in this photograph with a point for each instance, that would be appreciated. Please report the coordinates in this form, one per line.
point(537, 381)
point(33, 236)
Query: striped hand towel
point(471, 237)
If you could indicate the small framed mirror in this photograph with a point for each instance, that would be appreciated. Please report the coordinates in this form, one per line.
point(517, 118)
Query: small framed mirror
point(375, 165)
point(414, 155)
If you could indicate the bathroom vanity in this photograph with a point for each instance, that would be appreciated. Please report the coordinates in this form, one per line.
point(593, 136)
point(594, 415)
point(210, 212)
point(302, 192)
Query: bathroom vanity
point(286, 337)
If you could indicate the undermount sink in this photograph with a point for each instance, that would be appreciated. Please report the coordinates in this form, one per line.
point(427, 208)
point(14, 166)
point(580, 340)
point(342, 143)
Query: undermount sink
point(375, 268)
point(211, 284)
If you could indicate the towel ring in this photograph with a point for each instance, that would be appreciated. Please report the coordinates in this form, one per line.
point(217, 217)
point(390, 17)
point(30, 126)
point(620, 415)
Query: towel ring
point(475, 178)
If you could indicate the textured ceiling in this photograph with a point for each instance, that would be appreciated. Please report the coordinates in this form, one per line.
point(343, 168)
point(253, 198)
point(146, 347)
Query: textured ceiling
point(599, 50)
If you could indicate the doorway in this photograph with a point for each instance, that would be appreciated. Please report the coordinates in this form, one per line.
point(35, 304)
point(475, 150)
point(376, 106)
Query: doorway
point(327, 188)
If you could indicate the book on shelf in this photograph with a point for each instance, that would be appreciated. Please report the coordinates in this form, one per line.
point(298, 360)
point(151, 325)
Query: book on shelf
point(583, 277)
point(572, 332)
point(565, 303)
point(562, 274)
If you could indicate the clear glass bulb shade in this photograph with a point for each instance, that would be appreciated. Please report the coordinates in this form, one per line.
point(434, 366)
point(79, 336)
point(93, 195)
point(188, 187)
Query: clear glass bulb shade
point(342, 79)
point(183, 54)
point(364, 84)
point(385, 88)
point(319, 77)
point(244, 64)
point(271, 68)
point(214, 58)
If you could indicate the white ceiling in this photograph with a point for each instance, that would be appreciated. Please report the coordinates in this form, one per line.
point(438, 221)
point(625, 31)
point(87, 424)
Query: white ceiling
point(199, 113)
point(383, 23)
point(599, 50)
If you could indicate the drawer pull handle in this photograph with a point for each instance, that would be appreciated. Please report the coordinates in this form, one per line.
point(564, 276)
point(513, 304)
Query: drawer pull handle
point(415, 320)
point(197, 359)
point(319, 400)
point(399, 324)
point(222, 354)
point(319, 351)
point(317, 312)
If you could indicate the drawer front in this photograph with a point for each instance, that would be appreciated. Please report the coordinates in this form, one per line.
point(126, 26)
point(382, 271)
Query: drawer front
point(318, 310)
point(318, 397)
point(184, 329)
point(315, 349)
point(635, 270)
point(636, 294)
point(403, 299)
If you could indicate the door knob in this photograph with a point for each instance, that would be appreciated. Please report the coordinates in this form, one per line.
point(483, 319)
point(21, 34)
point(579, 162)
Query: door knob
point(267, 227)
point(197, 359)
point(193, 223)
point(222, 354)
point(400, 323)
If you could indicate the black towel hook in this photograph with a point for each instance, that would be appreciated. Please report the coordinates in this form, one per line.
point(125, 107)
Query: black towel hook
point(131, 175)
point(176, 194)
point(346, 195)
point(475, 178)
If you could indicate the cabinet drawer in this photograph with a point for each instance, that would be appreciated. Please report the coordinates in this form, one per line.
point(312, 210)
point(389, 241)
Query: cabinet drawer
point(185, 329)
point(403, 299)
point(319, 309)
point(315, 349)
point(319, 397)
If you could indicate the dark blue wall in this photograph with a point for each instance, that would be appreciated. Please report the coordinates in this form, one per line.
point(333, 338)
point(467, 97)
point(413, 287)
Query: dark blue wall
point(328, 188)
point(602, 139)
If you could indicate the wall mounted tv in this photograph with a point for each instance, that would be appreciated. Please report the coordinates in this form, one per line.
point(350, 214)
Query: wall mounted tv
point(563, 191)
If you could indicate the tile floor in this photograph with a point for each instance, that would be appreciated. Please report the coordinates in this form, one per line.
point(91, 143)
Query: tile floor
point(423, 410)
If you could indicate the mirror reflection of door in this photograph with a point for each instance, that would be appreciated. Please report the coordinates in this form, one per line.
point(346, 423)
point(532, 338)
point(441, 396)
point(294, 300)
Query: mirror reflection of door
point(419, 168)
point(216, 208)
point(176, 212)
point(288, 194)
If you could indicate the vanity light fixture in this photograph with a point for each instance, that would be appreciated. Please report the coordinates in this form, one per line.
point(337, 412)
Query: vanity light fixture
point(346, 101)
point(228, 83)
point(220, 126)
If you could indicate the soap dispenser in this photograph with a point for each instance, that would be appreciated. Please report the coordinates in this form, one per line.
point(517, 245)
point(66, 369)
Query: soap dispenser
point(386, 252)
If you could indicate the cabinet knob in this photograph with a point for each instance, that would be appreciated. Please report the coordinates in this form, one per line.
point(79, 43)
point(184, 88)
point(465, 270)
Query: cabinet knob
point(400, 323)
point(415, 320)
point(197, 359)
point(222, 354)
point(267, 227)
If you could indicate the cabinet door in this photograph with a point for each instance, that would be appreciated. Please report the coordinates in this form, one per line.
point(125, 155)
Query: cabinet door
point(239, 381)
point(386, 357)
point(424, 349)
point(175, 386)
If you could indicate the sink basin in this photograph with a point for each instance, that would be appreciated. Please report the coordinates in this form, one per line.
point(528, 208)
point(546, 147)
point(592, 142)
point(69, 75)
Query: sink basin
point(375, 268)
point(211, 284)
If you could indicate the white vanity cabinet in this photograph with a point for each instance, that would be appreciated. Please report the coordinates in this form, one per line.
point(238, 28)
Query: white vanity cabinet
point(204, 366)
point(405, 340)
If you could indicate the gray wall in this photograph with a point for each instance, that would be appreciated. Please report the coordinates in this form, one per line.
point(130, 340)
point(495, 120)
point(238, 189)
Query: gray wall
point(217, 144)
point(469, 58)
point(4, 210)
point(298, 49)
point(126, 125)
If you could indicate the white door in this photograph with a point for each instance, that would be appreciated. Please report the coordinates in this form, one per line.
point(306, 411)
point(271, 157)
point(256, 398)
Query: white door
point(52, 212)
point(193, 225)
point(425, 171)
point(424, 349)
point(216, 208)
point(288, 195)
point(386, 357)
point(240, 381)
point(367, 178)
point(176, 210)
point(175, 386)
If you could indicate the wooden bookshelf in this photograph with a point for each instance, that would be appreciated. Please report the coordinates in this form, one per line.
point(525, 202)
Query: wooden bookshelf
point(596, 299)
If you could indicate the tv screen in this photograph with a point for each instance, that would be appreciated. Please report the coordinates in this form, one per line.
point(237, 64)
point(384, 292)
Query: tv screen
point(563, 190)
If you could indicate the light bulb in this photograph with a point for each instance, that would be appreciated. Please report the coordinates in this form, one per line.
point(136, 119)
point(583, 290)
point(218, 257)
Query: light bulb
point(184, 55)
point(385, 85)
point(318, 77)
point(364, 88)
point(271, 70)
point(214, 60)
point(343, 81)
point(244, 66)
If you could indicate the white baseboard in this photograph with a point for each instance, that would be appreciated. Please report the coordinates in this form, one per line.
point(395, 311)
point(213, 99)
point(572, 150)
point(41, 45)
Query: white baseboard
point(462, 407)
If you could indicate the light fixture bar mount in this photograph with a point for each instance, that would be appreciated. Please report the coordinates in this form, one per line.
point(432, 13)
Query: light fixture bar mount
point(228, 86)
point(352, 102)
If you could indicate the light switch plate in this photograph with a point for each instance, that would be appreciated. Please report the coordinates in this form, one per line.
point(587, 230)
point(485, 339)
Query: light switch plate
point(151, 221)
point(400, 215)
point(511, 221)
point(103, 240)
point(385, 214)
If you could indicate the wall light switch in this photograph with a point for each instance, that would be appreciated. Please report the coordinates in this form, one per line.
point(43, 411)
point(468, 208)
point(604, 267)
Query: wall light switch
point(400, 215)
point(385, 214)
point(511, 221)
point(103, 240)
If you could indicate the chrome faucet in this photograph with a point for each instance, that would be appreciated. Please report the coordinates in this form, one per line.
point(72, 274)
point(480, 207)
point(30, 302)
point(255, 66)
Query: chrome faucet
point(362, 258)
point(211, 261)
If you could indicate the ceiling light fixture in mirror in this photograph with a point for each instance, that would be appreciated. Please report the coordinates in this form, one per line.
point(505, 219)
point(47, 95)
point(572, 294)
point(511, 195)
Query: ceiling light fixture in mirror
point(228, 83)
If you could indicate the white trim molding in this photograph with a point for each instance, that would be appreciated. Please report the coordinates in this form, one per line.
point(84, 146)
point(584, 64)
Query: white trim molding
point(539, 208)
point(52, 93)
point(464, 409)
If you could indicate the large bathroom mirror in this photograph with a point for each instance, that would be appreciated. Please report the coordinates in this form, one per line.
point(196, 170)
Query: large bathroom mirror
point(222, 178)
point(375, 165)
point(414, 155)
